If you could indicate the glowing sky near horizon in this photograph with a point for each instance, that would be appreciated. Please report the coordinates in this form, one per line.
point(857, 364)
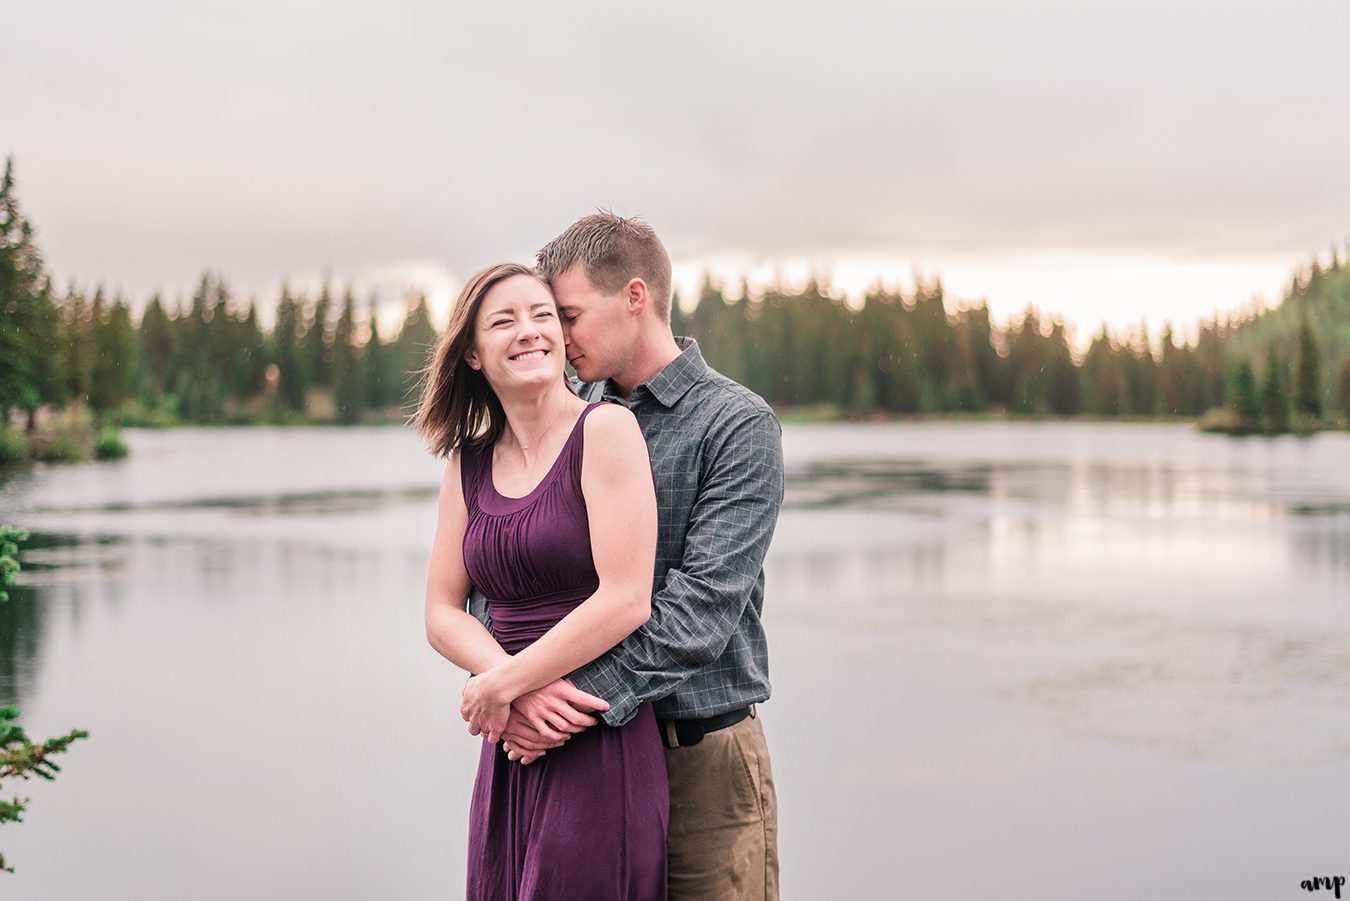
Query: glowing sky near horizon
point(1119, 162)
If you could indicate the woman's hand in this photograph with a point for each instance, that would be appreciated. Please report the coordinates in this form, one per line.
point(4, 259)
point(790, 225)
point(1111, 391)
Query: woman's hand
point(484, 707)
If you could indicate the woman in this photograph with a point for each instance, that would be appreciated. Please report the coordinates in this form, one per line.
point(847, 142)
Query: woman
point(548, 507)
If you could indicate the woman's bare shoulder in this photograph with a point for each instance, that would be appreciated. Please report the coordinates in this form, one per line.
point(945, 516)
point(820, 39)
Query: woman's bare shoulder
point(612, 434)
point(609, 416)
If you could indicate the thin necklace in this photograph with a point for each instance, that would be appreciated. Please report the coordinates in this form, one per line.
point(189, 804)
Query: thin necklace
point(540, 437)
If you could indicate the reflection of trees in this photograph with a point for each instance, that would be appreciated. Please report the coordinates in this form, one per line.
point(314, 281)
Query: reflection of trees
point(1323, 551)
point(22, 621)
point(1155, 492)
point(837, 578)
point(848, 483)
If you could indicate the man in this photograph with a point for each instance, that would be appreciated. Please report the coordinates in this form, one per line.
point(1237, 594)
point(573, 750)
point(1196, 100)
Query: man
point(702, 658)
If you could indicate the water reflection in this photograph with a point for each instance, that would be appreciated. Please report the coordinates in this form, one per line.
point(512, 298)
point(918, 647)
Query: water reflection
point(849, 483)
point(1026, 640)
point(1196, 612)
point(350, 500)
point(52, 565)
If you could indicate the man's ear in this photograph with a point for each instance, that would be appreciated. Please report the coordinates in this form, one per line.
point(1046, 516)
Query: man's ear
point(636, 296)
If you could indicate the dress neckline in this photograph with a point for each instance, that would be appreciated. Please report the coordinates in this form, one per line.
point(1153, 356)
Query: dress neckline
point(511, 503)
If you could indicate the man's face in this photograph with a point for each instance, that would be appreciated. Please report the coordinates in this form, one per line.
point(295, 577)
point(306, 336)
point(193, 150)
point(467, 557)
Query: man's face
point(598, 329)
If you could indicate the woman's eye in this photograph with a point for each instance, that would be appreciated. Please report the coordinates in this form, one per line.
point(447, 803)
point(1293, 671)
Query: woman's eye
point(543, 314)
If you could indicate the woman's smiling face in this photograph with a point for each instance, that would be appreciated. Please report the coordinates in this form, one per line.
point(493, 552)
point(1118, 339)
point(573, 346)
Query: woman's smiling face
point(518, 340)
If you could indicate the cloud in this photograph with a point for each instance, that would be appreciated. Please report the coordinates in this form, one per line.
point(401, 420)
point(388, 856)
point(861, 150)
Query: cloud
point(155, 139)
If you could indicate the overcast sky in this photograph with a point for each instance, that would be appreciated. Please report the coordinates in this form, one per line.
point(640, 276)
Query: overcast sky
point(1108, 161)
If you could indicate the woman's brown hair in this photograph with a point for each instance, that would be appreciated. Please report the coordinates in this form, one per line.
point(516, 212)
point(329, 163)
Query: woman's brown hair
point(458, 408)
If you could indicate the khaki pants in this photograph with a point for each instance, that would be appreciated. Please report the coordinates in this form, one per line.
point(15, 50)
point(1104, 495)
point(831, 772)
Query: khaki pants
point(723, 838)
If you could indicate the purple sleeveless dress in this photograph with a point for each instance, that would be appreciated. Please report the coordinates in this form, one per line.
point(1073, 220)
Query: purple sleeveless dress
point(587, 820)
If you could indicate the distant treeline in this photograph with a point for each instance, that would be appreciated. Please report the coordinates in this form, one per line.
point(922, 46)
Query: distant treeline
point(207, 359)
point(908, 353)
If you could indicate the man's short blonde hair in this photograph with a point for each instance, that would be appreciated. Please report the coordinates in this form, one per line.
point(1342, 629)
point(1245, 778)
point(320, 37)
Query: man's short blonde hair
point(614, 250)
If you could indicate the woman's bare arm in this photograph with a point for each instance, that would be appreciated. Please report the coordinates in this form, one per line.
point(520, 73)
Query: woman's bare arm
point(616, 480)
point(456, 635)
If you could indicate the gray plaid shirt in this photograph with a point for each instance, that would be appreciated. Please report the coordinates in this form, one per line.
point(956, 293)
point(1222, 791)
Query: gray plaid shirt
point(717, 453)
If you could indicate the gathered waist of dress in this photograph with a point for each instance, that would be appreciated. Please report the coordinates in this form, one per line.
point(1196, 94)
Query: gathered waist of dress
point(519, 622)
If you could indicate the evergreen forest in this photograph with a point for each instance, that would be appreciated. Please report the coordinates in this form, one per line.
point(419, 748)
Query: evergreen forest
point(70, 355)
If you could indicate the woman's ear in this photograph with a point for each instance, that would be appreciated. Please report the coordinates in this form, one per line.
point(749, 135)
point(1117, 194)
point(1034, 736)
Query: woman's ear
point(471, 357)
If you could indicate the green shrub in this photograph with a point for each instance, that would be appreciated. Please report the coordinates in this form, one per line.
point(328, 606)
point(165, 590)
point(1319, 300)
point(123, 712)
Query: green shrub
point(1228, 421)
point(67, 443)
point(10, 536)
point(13, 447)
point(162, 416)
point(109, 446)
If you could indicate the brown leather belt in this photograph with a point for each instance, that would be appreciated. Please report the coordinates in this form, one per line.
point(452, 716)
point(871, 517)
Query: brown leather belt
point(683, 733)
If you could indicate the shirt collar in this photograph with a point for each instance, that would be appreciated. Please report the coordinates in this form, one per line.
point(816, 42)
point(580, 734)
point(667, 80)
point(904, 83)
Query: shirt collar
point(674, 379)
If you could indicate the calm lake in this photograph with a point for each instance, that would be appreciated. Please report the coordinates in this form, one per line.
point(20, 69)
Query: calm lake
point(1010, 660)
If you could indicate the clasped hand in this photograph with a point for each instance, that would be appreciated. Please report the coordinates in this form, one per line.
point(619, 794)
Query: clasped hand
point(484, 707)
point(533, 723)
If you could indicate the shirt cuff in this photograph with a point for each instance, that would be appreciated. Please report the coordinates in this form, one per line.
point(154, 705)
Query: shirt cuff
point(603, 681)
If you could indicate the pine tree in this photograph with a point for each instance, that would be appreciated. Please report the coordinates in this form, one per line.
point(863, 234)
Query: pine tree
point(679, 322)
point(830, 359)
point(1308, 389)
point(251, 363)
point(963, 389)
point(1209, 367)
point(44, 337)
point(286, 354)
point(25, 316)
point(415, 342)
point(989, 365)
point(1172, 371)
point(1103, 377)
point(377, 361)
point(1141, 375)
point(349, 391)
point(1274, 399)
point(1242, 397)
point(317, 342)
point(1060, 374)
point(891, 358)
point(708, 325)
point(760, 358)
point(933, 342)
point(79, 349)
point(1026, 365)
point(156, 349)
point(114, 344)
point(203, 367)
point(1345, 391)
point(13, 360)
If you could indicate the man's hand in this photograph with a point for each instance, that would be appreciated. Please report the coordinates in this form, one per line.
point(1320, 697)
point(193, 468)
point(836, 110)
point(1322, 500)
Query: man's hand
point(547, 717)
point(523, 742)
